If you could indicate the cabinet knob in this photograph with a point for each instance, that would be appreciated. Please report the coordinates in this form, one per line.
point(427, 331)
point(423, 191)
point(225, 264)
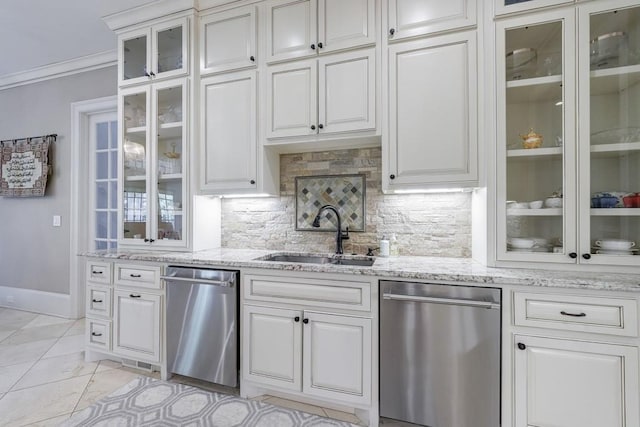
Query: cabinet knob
point(313, 127)
point(134, 296)
point(521, 346)
point(305, 321)
point(252, 58)
point(146, 240)
point(573, 255)
point(392, 176)
point(253, 181)
point(296, 319)
point(313, 47)
point(147, 74)
point(586, 256)
point(392, 31)
point(152, 74)
point(320, 45)
point(151, 240)
point(320, 126)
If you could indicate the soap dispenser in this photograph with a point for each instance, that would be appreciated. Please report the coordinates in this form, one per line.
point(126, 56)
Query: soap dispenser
point(384, 247)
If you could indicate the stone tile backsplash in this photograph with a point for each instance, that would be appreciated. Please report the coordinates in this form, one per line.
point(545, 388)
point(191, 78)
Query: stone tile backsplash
point(424, 224)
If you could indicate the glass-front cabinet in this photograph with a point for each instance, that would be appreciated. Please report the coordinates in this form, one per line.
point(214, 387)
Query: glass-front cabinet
point(153, 187)
point(153, 52)
point(510, 6)
point(568, 135)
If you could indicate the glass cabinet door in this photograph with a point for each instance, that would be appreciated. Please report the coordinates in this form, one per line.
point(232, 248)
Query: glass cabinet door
point(536, 138)
point(610, 134)
point(170, 162)
point(509, 6)
point(170, 48)
point(135, 155)
point(133, 61)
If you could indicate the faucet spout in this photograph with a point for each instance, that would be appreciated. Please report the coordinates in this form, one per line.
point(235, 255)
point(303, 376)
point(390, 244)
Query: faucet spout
point(339, 235)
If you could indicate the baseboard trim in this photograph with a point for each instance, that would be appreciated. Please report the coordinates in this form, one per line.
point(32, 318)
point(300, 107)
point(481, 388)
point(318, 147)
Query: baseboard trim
point(42, 302)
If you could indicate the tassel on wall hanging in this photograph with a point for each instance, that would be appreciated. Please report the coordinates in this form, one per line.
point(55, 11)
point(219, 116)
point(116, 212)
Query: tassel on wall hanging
point(24, 166)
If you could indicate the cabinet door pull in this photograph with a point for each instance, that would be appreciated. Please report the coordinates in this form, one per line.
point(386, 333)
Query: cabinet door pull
point(586, 256)
point(320, 45)
point(313, 47)
point(320, 126)
point(253, 181)
point(296, 319)
point(305, 321)
point(573, 255)
point(96, 300)
point(392, 176)
point(152, 74)
point(147, 74)
point(134, 296)
point(313, 127)
point(252, 58)
point(135, 276)
point(564, 313)
point(95, 334)
point(96, 272)
point(521, 346)
point(392, 31)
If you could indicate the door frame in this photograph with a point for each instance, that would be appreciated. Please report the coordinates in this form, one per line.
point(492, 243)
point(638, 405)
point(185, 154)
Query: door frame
point(80, 115)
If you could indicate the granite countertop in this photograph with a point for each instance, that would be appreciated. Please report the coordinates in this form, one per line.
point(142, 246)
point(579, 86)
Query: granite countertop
point(462, 270)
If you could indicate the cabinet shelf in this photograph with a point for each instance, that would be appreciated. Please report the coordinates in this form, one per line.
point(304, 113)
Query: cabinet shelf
point(614, 80)
point(535, 152)
point(612, 150)
point(615, 212)
point(138, 130)
point(538, 89)
point(135, 178)
point(169, 176)
point(170, 130)
point(535, 212)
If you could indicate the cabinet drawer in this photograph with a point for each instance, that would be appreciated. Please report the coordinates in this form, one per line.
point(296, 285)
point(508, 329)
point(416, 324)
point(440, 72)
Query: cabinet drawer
point(145, 276)
point(98, 300)
point(352, 295)
point(99, 334)
point(99, 272)
point(614, 316)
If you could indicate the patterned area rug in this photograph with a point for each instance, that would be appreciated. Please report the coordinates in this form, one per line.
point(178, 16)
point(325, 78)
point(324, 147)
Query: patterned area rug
point(149, 402)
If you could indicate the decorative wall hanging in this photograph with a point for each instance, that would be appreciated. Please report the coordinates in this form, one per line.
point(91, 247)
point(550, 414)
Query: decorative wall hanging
point(24, 166)
point(345, 192)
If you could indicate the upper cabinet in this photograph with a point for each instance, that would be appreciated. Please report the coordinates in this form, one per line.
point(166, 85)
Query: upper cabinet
point(228, 40)
point(302, 28)
point(411, 18)
point(153, 52)
point(511, 6)
point(567, 196)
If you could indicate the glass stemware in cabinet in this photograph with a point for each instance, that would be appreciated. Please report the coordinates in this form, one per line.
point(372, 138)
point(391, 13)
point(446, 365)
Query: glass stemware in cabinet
point(534, 134)
point(613, 195)
point(134, 147)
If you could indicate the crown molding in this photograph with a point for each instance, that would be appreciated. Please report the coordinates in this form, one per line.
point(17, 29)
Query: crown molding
point(157, 9)
point(59, 69)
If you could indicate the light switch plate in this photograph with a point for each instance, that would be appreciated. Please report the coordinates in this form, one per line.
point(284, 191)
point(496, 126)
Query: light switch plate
point(57, 220)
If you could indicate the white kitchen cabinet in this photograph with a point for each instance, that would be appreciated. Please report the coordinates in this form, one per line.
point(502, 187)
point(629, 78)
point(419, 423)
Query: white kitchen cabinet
point(412, 18)
point(272, 343)
point(300, 28)
point(332, 94)
point(592, 169)
point(228, 40)
point(335, 362)
point(311, 336)
point(154, 151)
point(566, 383)
point(432, 113)
point(228, 161)
point(153, 52)
point(98, 300)
point(136, 324)
point(510, 6)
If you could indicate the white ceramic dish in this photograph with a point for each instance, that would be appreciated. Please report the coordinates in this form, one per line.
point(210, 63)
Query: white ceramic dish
point(519, 205)
point(610, 252)
point(553, 202)
point(536, 204)
point(615, 244)
point(521, 242)
point(534, 249)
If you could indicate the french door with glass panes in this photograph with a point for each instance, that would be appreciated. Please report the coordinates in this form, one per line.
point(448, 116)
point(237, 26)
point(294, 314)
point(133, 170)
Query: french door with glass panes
point(103, 193)
point(153, 185)
point(569, 135)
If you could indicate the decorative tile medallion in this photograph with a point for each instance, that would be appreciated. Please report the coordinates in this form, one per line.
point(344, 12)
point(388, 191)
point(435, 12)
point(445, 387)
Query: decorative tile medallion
point(345, 192)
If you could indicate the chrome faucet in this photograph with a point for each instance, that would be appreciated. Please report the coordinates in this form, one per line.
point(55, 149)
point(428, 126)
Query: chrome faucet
point(339, 235)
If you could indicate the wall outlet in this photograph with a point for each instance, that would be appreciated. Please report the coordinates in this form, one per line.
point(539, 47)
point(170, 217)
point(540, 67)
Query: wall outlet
point(10, 299)
point(57, 220)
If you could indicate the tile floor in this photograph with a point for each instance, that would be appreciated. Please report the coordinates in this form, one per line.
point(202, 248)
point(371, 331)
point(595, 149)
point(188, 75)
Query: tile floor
point(44, 378)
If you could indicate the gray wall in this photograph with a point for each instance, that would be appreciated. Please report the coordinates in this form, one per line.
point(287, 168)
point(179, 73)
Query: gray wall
point(34, 254)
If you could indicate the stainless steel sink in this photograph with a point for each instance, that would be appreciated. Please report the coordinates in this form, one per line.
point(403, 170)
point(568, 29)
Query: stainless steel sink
point(320, 259)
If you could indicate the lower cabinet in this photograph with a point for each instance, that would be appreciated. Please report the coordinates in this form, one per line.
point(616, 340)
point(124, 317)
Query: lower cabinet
point(136, 323)
point(320, 354)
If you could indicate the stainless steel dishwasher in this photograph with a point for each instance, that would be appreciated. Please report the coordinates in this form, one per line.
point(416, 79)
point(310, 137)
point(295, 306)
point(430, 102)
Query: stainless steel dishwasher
point(202, 324)
point(440, 354)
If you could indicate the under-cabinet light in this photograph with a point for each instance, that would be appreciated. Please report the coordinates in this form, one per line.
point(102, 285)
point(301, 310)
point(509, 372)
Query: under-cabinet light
point(239, 196)
point(433, 190)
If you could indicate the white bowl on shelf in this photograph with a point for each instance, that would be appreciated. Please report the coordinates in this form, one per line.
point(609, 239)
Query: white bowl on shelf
point(521, 242)
point(519, 205)
point(615, 244)
point(553, 202)
point(536, 204)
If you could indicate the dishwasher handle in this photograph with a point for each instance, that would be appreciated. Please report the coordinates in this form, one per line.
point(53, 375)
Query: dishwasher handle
point(224, 283)
point(446, 301)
